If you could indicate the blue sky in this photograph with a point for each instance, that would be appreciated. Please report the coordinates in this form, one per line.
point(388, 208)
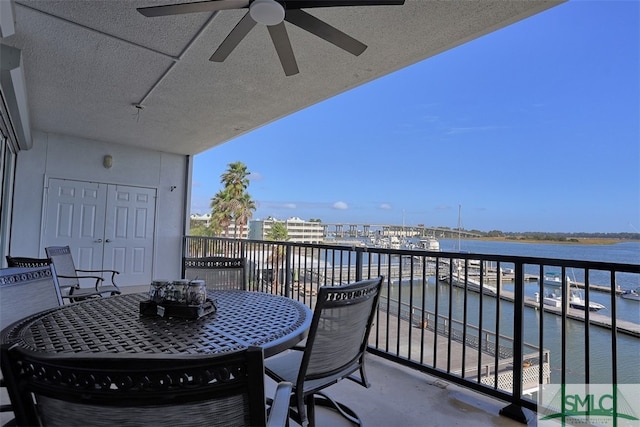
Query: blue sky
point(535, 127)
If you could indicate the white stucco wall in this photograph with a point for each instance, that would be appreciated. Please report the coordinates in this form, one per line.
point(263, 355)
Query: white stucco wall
point(67, 157)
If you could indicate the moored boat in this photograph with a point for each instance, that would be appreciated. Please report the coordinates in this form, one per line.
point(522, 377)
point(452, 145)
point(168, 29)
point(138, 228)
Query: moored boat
point(430, 244)
point(631, 294)
point(576, 300)
point(554, 279)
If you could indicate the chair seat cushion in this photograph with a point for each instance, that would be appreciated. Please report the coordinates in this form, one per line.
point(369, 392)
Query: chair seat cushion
point(285, 367)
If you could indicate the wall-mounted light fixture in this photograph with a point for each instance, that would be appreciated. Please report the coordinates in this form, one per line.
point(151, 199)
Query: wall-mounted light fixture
point(107, 161)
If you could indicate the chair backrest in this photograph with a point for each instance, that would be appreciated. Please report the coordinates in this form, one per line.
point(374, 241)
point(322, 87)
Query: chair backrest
point(339, 331)
point(14, 261)
point(218, 272)
point(27, 290)
point(65, 267)
point(194, 390)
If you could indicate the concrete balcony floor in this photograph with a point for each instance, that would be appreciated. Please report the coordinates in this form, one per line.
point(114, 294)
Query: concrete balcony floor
point(401, 396)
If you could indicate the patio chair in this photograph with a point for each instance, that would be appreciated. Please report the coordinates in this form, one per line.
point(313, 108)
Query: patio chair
point(334, 350)
point(219, 273)
point(136, 389)
point(73, 294)
point(69, 278)
point(23, 292)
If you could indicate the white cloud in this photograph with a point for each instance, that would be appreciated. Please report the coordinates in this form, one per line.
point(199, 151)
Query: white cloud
point(290, 205)
point(385, 206)
point(340, 206)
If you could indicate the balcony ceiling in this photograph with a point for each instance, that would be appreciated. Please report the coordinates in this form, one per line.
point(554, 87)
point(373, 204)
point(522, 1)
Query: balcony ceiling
point(88, 63)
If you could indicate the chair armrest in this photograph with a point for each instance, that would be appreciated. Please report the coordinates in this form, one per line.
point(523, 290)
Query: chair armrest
point(113, 274)
point(98, 279)
point(300, 346)
point(279, 413)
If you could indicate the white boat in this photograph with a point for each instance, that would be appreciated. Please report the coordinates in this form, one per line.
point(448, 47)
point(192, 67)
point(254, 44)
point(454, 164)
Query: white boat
point(631, 294)
point(554, 279)
point(458, 280)
point(430, 244)
point(394, 243)
point(576, 300)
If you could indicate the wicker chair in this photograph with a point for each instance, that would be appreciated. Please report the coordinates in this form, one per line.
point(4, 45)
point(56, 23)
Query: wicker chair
point(219, 273)
point(134, 390)
point(25, 291)
point(73, 294)
point(69, 278)
point(335, 348)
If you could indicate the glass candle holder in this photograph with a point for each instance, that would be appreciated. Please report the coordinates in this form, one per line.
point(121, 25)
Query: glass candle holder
point(197, 293)
point(180, 290)
point(157, 290)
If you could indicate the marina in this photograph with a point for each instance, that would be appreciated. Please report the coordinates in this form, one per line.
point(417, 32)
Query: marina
point(414, 276)
point(400, 275)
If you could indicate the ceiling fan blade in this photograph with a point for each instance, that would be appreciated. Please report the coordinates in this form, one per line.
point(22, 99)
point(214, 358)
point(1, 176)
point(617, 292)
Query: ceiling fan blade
point(236, 35)
point(200, 6)
point(283, 47)
point(325, 31)
point(307, 4)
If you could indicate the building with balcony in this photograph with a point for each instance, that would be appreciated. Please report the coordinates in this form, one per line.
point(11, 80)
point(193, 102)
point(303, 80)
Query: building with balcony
point(232, 231)
point(299, 230)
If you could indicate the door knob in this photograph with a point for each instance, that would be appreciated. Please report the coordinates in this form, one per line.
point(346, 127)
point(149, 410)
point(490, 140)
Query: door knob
point(108, 240)
point(98, 241)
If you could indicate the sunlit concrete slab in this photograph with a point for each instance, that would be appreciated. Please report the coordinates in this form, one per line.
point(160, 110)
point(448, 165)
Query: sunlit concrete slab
point(401, 396)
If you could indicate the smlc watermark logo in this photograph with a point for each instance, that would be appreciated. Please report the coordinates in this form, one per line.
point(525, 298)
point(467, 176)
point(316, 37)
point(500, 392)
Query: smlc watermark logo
point(589, 404)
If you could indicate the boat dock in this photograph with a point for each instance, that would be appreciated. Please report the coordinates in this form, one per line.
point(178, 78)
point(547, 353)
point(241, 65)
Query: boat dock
point(474, 358)
point(622, 326)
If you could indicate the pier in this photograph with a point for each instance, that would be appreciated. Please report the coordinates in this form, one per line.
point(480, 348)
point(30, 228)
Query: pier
point(622, 326)
point(462, 353)
point(397, 272)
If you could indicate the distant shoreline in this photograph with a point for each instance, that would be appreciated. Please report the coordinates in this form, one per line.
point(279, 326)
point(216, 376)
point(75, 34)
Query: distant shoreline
point(571, 241)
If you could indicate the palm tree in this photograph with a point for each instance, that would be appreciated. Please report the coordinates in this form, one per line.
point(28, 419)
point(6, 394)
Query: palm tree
point(221, 212)
point(232, 204)
point(244, 213)
point(279, 233)
point(235, 179)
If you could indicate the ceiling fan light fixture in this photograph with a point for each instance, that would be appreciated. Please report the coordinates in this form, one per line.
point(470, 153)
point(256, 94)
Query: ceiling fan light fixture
point(266, 12)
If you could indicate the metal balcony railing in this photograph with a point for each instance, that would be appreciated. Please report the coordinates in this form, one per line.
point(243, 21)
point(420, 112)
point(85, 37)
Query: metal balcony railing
point(486, 322)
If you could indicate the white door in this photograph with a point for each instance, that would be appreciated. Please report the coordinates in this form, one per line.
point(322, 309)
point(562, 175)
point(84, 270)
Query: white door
point(128, 233)
point(107, 226)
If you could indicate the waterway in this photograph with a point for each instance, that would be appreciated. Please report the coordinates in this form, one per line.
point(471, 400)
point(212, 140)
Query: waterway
point(576, 332)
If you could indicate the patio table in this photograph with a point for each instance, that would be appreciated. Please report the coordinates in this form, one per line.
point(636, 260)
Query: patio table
point(114, 325)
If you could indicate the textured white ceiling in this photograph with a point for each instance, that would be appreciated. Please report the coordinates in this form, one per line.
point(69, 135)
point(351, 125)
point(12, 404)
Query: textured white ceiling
point(88, 62)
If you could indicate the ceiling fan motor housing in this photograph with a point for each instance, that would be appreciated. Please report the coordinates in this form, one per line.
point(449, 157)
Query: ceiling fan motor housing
point(266, 12)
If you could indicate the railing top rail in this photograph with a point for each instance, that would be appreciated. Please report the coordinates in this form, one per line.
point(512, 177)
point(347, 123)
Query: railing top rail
point(569, 263)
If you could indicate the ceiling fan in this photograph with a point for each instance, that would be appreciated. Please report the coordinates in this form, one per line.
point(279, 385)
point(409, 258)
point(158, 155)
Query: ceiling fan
point(273, 13)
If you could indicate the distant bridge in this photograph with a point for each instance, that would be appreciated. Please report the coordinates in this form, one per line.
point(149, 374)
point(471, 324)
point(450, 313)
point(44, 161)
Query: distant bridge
point(387, 230)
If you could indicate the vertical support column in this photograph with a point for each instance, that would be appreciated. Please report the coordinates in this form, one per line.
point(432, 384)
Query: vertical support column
point(515, 410)
point(358, 265)
point(287, 271)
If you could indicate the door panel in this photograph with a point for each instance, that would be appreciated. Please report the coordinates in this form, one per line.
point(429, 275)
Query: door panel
point(129, 226)
point(107, 226)
point(74, 216)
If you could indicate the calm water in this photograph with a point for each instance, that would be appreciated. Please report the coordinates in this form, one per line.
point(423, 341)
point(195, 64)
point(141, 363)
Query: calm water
point(576, 332)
